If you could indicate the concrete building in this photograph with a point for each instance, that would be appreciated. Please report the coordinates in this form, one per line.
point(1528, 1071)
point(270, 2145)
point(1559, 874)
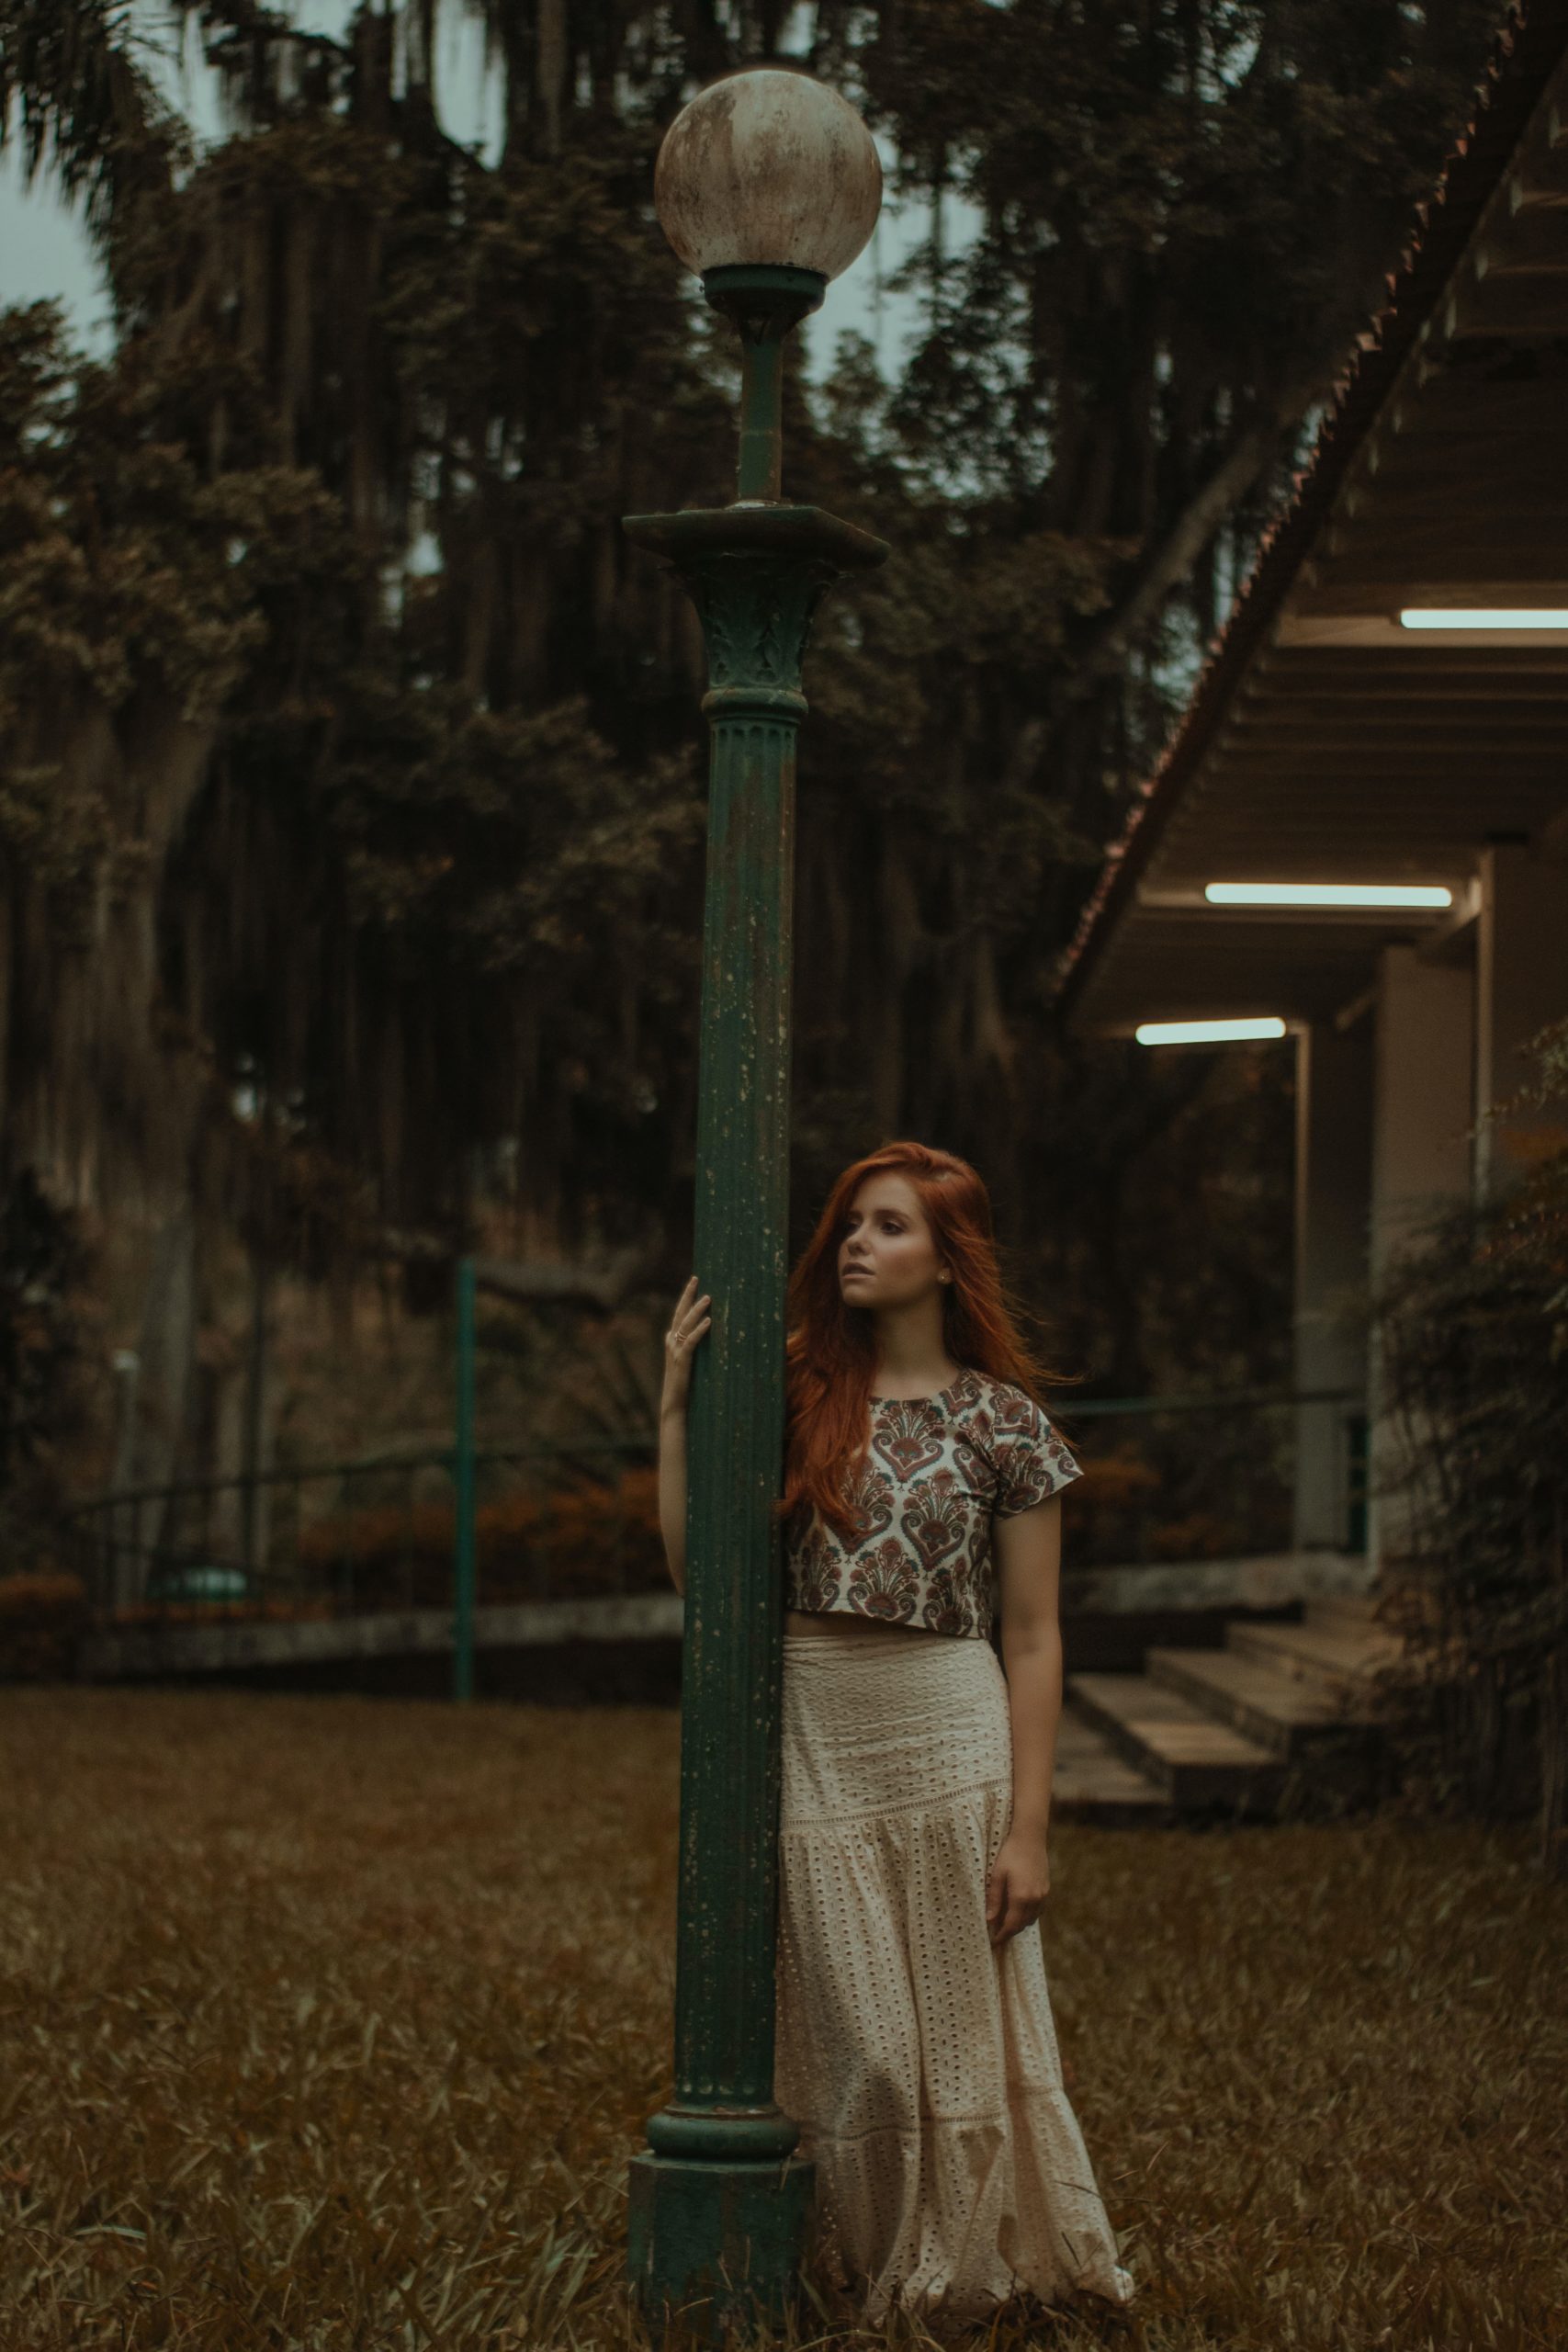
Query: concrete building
point(1370, 717)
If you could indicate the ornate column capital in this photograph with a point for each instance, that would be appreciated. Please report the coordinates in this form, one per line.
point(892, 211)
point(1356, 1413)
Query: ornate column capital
point(755, 574)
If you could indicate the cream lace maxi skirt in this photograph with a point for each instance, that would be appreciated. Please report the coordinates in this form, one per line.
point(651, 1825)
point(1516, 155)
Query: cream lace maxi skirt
point(920, 2062)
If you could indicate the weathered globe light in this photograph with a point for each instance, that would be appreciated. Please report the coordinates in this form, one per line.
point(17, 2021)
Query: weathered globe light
point(768, 184)
point(768, 167)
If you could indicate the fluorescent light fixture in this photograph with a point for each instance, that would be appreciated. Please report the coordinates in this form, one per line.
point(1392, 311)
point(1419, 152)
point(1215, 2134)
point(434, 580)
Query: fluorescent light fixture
point(1485, 616)
point(1327, 894)
point(1205, 1032)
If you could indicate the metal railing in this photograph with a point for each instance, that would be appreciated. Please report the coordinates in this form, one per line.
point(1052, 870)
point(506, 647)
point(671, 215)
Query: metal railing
point(341, 1536)
point(1235, 1494)
point(385, 1531)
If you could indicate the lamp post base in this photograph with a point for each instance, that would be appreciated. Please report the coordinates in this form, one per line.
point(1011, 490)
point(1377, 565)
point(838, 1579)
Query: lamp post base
point(721, 2244)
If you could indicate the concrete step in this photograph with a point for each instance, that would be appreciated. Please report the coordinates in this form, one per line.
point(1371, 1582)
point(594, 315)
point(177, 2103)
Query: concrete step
point(1183, 1750)
point(1343, 1612)
point(1093, 1782)
point(1338, 1663)
point(1294, 1720)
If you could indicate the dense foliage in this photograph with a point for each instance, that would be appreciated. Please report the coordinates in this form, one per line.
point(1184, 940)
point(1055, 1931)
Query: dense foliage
point(40, 1348)
point(352, 759)
point(1473, 1335)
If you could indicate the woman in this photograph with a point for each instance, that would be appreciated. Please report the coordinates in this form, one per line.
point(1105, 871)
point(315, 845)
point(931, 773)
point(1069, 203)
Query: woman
point(915, 2043)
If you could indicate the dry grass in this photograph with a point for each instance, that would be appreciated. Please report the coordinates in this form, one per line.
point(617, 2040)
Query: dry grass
point(330, 2023)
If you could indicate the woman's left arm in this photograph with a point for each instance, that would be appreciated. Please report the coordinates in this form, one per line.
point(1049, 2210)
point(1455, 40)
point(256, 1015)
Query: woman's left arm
point(1028, 1548)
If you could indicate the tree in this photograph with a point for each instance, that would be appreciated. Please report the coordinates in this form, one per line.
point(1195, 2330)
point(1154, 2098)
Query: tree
point(352, 796)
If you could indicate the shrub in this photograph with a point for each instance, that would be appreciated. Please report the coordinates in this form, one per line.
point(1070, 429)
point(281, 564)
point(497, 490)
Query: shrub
point(1120, 1481)
point(1106, 1512)
point(1179, 1492)
point(1200, 1535)
point(42, 1618)
point(1473, 1325)
point(42, 1391)
point(535, 1544)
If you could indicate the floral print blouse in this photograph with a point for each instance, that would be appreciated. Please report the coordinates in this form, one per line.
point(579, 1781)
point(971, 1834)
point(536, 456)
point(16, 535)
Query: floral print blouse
point(936, 1472)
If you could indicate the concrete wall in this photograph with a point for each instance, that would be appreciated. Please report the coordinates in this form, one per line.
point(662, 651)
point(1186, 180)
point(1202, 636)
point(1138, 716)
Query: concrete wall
point(1423, 1095)
point(1423, 1101)
point(1521, 984)
point(1334, 1153)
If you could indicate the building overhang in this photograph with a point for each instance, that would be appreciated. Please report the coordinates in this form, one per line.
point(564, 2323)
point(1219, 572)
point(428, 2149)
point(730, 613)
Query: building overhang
point(1325, 741)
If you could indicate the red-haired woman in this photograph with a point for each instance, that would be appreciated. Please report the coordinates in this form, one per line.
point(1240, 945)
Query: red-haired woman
point(916, 2042)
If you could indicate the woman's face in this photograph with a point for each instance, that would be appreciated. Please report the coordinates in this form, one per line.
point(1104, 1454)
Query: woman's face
point(887, 1256)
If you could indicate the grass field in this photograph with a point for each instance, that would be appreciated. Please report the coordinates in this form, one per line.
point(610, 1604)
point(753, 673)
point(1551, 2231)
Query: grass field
point(331, 2023)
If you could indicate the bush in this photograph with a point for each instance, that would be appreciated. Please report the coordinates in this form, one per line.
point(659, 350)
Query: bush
point(1125, 1480)
point(43, 1396)
point(1473, 1332)
point(1200, 1535)
point(554, 1543)
point(1111, 1510)
point(44, 1616)
point(1106, 1512)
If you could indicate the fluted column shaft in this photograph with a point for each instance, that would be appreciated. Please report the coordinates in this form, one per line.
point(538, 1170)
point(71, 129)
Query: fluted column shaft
point(724, 1996)
point(715, 2206)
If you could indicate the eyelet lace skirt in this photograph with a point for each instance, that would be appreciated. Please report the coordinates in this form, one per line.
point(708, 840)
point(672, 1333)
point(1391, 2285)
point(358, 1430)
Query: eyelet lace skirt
point(920, 2063)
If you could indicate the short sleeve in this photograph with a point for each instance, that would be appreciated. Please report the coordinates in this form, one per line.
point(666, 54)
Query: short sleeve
point(1033, 1464)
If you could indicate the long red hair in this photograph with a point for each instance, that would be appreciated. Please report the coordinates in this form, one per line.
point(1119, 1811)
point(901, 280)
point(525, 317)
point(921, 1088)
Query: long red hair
point(831, 1350)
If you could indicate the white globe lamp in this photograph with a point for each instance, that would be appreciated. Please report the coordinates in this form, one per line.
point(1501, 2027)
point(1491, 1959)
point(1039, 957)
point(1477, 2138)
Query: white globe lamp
point(768, 184)
point(769, 168)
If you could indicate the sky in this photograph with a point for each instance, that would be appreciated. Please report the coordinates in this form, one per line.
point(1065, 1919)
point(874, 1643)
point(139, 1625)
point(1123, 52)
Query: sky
point(45, 254)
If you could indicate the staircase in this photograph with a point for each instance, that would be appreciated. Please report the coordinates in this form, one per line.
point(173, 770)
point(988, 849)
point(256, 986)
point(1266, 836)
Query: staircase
point(1277, 1720)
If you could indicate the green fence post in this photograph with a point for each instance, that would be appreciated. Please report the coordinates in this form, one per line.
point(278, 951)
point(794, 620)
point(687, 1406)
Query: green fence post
point(463, 1471)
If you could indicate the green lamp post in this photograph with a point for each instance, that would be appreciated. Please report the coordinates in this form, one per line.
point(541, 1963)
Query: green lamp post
point(768, 184)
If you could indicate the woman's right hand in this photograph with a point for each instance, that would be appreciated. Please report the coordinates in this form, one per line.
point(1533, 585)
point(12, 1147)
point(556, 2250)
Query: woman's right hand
point(686, 1327)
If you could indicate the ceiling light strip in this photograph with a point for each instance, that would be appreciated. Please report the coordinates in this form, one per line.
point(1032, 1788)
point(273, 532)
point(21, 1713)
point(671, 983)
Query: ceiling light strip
point(1485, 616)
point(1207, 1033)
point(1327, 894)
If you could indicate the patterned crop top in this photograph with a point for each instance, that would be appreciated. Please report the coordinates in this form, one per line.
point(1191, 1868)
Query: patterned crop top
point(935, 1472)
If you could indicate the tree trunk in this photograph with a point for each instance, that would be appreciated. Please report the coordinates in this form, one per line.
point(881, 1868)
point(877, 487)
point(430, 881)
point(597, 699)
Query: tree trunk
point(1552, 1854)
point(550, 68)
point(1486, 1728)
point(246, 1429)
point(154, 1432)
point(1552, 1850)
